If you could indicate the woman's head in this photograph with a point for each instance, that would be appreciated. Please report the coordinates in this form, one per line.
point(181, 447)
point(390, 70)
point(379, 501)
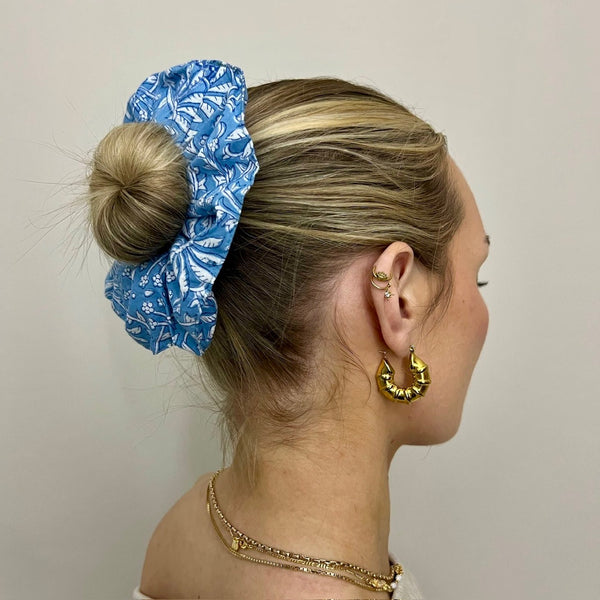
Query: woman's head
point(452, 341)
point(346, 175)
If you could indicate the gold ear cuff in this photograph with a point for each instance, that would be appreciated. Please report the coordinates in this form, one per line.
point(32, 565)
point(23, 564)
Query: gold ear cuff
point(381, 276)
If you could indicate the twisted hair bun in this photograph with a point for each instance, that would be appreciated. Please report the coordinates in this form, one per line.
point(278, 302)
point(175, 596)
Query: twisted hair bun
point(138, 191)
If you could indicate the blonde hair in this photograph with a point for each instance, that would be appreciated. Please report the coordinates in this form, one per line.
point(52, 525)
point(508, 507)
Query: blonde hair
point(138, 192)
point(344, 171)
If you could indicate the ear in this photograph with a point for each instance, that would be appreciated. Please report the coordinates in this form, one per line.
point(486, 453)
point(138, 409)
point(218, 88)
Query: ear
point(397, 315)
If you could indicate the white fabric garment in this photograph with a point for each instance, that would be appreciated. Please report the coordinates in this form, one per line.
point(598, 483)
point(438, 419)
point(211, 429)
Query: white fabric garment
point(407, 589)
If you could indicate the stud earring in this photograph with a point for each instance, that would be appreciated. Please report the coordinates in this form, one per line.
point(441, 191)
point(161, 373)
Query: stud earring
point(381, 276)
point(420, 374)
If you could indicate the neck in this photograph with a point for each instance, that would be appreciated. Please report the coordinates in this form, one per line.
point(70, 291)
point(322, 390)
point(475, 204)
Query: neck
point(328, 498)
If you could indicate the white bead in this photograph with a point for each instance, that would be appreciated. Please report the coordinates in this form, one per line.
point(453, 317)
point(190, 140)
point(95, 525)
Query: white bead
point(393, 585)
point(398, 577)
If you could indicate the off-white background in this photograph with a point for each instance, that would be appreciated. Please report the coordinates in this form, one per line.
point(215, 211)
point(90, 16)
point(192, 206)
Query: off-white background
point(96, 441)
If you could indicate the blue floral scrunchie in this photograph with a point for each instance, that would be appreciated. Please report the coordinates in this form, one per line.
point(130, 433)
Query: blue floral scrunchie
point(168, 301)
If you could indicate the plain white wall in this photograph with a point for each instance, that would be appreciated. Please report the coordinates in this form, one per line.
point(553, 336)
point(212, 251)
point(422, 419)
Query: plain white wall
point(96, 439)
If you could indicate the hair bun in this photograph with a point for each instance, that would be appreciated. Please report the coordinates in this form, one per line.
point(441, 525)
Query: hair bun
point(138, 191)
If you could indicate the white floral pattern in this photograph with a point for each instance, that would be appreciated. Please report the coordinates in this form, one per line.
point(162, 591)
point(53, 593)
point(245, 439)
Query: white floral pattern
point(201, 103)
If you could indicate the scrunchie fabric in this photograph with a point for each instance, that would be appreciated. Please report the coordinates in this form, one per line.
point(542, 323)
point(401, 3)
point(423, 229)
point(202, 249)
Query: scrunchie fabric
point(168, 301)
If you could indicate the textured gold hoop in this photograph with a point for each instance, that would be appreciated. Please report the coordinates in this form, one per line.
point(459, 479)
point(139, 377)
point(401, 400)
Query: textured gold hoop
point(421, 380)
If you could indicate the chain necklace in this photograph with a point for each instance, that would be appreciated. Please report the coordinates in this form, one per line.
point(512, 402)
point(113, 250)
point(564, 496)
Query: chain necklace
point(300, 562)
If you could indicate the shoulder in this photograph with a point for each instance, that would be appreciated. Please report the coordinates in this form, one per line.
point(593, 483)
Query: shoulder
point(177, 543)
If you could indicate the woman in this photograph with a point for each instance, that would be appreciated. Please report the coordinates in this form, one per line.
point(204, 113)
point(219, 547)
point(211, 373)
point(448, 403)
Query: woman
point(349, 316)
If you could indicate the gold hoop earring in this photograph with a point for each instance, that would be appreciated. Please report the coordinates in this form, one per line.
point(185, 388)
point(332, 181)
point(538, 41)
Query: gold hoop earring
point(421, 380)
point(381, 276)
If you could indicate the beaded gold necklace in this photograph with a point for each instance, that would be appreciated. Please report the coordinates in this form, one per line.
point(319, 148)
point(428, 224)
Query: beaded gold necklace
point(241, 543)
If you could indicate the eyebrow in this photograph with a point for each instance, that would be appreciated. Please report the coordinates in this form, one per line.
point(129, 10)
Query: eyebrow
point(487, 239)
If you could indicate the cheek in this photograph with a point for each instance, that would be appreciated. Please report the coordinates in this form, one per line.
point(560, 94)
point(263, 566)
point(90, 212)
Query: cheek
point(481, 321)
point(472, 319)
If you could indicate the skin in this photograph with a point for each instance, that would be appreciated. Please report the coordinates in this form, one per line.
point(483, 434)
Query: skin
point(329, 496)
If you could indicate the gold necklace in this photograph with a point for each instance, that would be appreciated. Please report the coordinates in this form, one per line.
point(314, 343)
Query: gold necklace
point(240, 541)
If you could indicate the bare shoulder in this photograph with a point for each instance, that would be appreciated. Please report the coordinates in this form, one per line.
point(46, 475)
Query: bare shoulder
point(177, 548)
point(185, 559)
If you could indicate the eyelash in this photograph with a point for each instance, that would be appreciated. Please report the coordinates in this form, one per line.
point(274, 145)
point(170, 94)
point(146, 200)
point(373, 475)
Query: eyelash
point(482, 283)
